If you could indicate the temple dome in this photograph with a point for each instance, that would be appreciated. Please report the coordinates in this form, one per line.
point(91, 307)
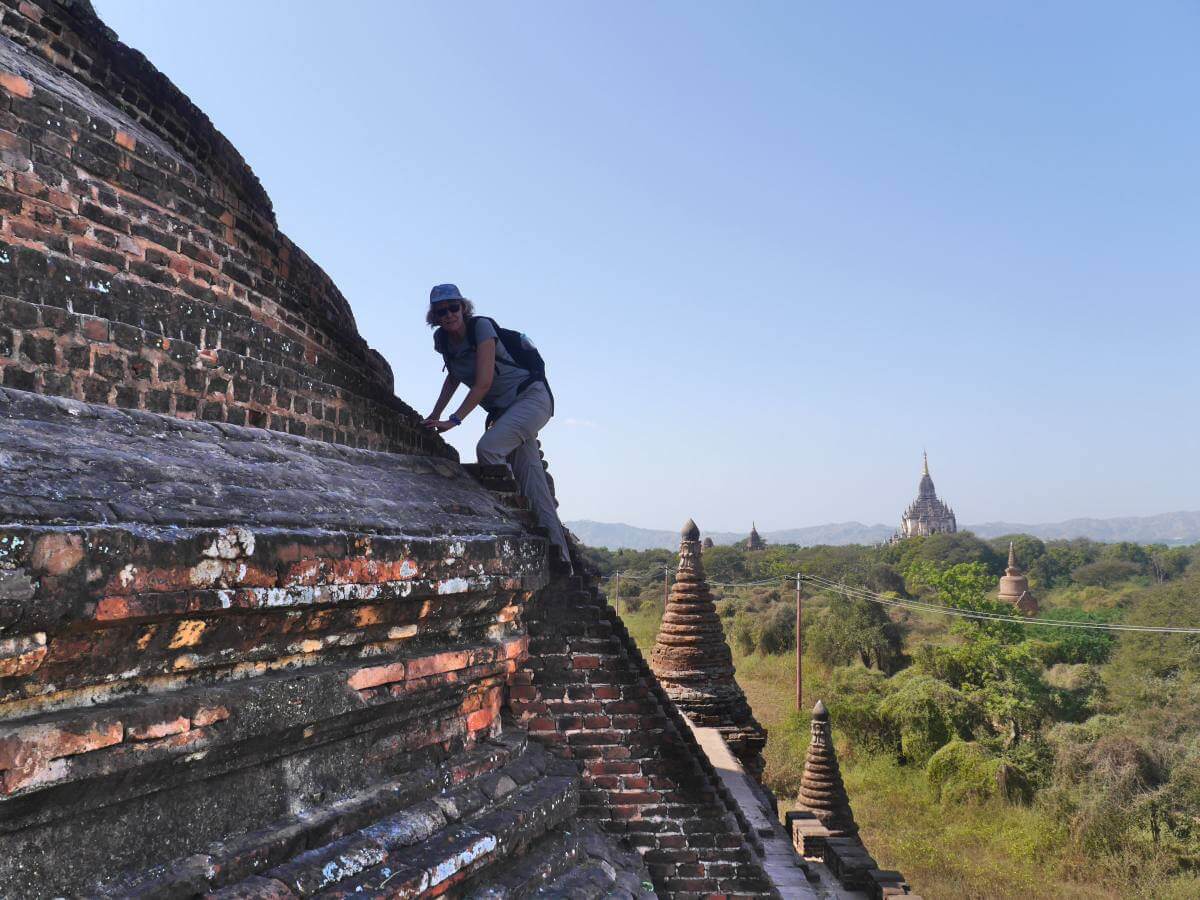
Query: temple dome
point(1014, 586)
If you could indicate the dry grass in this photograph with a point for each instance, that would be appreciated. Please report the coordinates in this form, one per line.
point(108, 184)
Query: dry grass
point(987, 851)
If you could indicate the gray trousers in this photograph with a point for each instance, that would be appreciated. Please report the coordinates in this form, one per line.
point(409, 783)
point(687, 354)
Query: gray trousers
point(513, 439)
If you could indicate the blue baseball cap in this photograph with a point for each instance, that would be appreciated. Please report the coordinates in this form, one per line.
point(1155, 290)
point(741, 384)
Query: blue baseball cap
point(443, 292)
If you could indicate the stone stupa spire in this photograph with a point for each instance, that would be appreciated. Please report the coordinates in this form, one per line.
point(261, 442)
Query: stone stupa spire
point(755, 541)
point(694, 664)
point(1014, 586)
point(821, 789)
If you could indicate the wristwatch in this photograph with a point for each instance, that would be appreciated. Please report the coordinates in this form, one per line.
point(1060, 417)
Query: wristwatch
point(455, 419)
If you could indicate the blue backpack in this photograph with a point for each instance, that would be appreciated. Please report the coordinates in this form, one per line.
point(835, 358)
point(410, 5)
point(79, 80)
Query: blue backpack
point(516, 344)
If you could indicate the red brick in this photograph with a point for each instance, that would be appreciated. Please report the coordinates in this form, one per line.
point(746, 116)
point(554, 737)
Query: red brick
point(585, 662)
point(57, 554)
point(207, 715)
point(449, 661)
point(479, 720)
point(639, 797)
point(516, 647)
point(15, 84)
point(22, 655)
point(156, 730)
point(374, 676)
point(28, 752)
point(614, 768)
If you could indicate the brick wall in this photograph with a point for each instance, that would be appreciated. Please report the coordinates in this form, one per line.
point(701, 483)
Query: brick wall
point(140, 262)
point(207, 629)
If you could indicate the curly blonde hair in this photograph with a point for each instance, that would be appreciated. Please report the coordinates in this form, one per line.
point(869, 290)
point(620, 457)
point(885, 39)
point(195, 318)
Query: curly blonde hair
point(468, 310)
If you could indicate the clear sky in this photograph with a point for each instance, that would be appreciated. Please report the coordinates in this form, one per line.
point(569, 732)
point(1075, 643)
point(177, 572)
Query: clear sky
point(770, 251)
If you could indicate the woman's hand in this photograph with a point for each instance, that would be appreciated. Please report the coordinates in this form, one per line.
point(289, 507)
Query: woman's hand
point(438, 424)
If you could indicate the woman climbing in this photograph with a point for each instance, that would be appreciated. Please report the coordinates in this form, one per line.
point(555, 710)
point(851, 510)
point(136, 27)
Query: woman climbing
point(507, 378)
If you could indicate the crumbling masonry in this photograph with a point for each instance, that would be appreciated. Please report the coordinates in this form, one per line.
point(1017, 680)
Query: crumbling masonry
point(260, 634)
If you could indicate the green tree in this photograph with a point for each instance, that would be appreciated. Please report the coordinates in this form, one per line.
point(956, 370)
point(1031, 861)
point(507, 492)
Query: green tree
point(965, 586)
point(852, 628)
point(1004, 680)
point(1167, 563)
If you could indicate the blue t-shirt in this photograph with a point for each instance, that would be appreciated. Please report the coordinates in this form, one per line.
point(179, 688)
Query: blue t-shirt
point(460, 361)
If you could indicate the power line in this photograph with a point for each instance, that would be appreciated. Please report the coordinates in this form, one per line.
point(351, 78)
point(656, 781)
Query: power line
point(921, 606)
point(937, 608)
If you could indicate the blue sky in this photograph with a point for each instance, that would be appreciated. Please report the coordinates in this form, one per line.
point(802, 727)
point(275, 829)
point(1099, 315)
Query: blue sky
point(770, 251)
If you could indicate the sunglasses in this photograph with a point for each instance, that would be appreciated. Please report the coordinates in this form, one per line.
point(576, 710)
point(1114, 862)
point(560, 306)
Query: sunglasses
point(448, 310)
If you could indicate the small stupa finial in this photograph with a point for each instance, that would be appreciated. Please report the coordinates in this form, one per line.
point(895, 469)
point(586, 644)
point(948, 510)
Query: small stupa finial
point(1012, 555)
point(822, 791)
point(925, 466)
point(690, 531)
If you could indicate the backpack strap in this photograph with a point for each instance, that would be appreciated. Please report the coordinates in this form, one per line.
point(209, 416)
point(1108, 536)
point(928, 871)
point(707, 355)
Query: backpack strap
point(439, 345)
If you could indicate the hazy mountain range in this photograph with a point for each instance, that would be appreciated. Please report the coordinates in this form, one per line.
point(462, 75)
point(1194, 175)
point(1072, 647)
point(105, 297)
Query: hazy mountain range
point(1165, 528)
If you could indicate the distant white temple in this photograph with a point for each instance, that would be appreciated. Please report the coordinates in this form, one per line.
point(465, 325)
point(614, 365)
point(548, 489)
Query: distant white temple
point(927, 514)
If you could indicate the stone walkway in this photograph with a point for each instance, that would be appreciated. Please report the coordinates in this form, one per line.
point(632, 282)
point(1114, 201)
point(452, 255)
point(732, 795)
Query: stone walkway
point(780, 859)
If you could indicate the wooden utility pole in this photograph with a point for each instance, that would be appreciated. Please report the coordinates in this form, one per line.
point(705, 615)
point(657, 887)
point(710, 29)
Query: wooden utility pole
point(617, 591)
point(799, 650)
point(666, 586)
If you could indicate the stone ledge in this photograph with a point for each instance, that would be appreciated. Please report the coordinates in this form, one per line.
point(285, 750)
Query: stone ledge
point(66, 461)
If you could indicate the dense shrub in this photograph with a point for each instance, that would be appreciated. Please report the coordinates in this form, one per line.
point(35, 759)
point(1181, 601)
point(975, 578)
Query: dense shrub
point(964, 771)
point(744, 634)
point(777, 629)
point(855, 695)
point(1105, 572)
point(927, 713)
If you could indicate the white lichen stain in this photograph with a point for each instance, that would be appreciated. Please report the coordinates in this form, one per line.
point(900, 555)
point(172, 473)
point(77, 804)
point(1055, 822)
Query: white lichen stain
point(408, 569)
point(454, 586)
point(127, 575)
point(447, 868)
point(231, 543)
point(206, 573)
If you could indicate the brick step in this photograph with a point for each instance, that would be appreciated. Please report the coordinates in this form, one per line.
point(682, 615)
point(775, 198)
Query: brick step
point(484, 471)
point(541, 864)
point(581, 862)
point(514, 500)
point(109, 741)
point(407, 864)
point(590, 881)
point(423, 799)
